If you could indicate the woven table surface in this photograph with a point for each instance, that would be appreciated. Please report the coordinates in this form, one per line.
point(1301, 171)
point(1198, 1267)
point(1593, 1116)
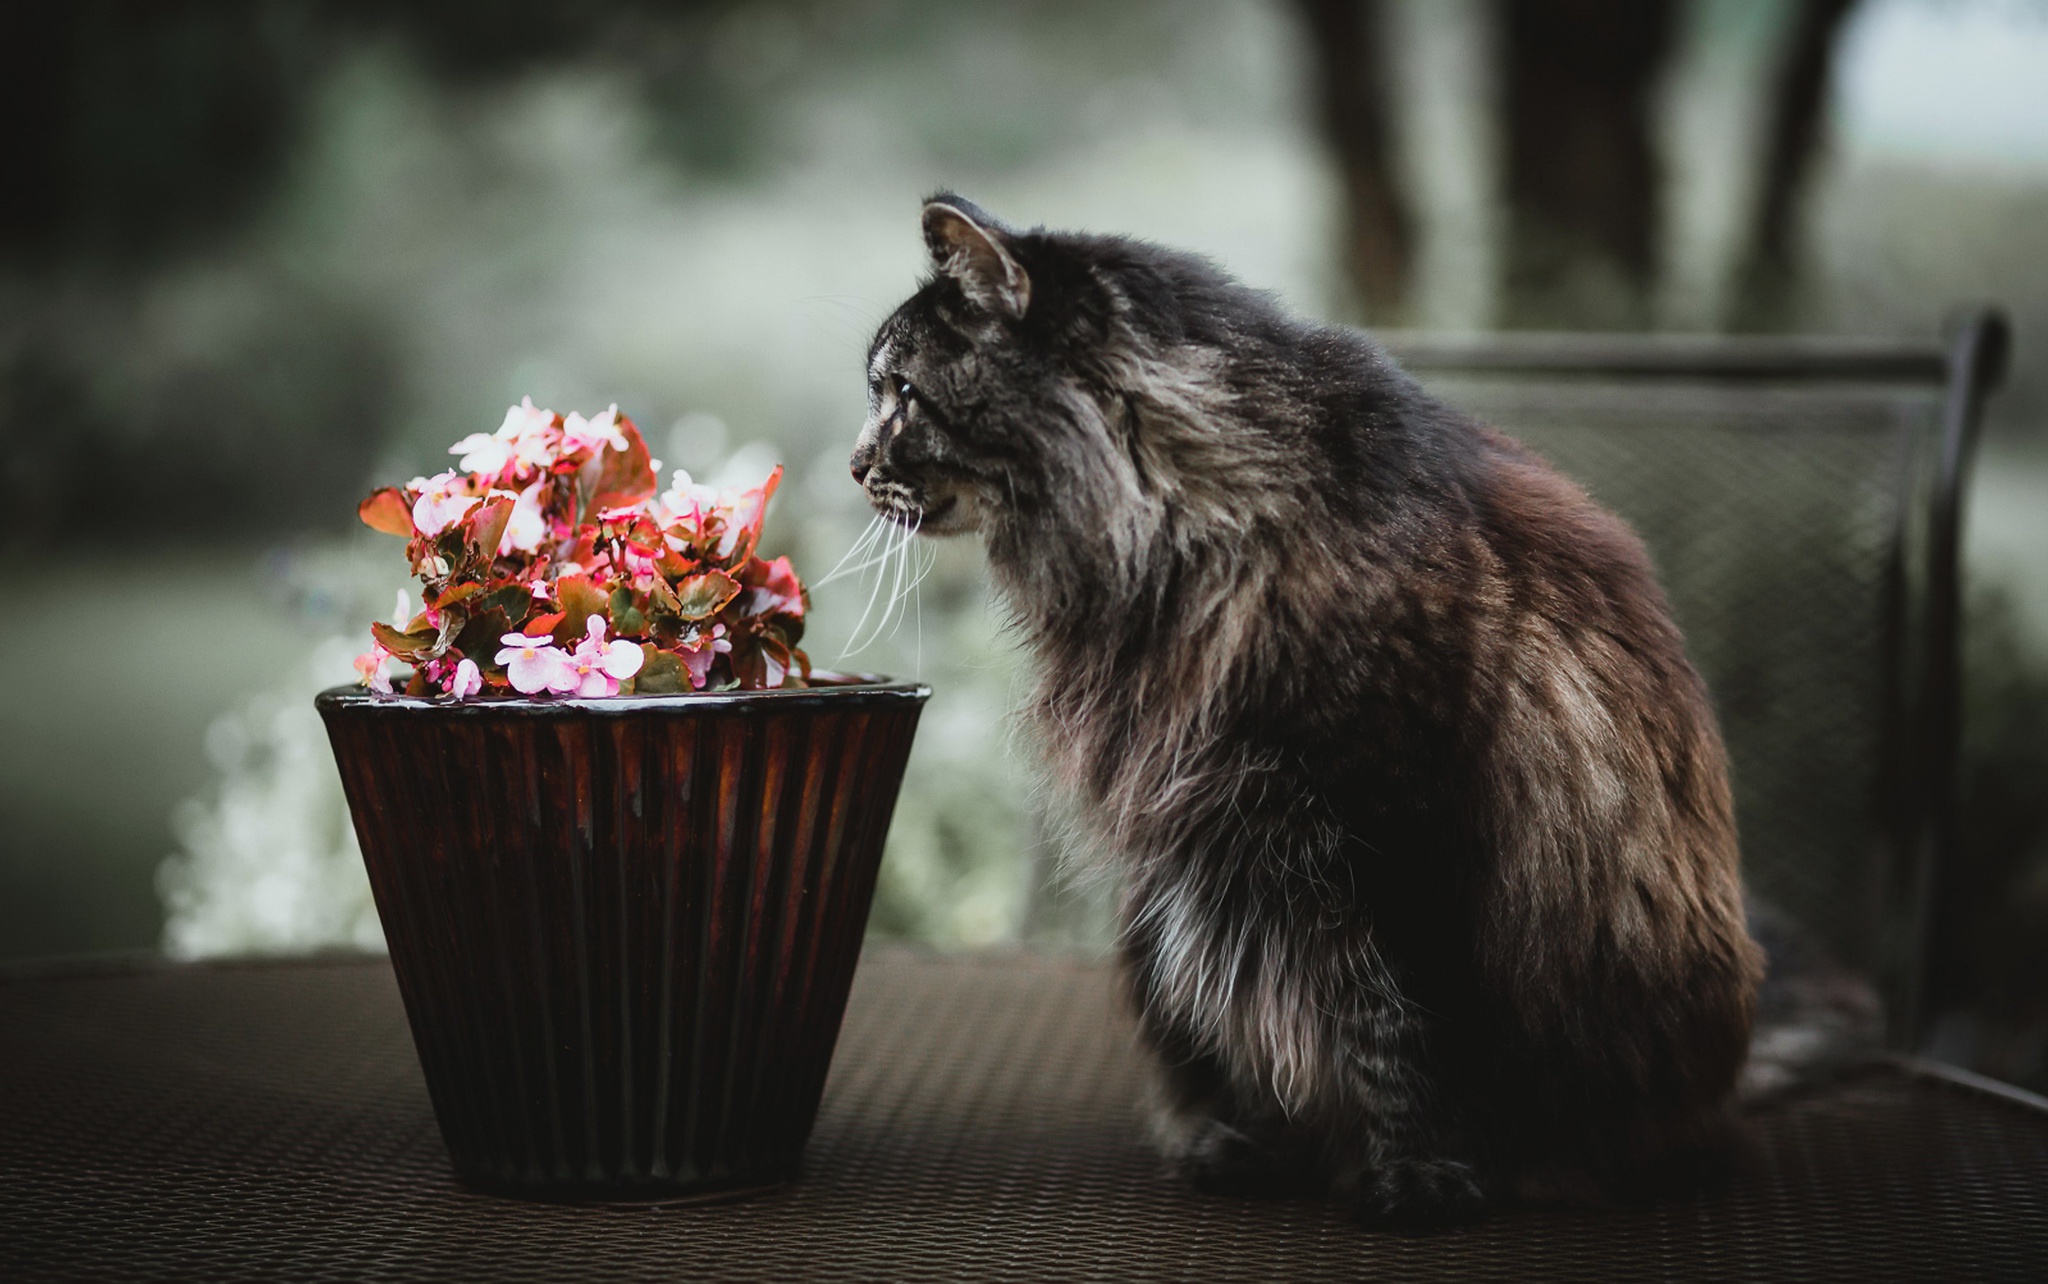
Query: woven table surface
point(268, 1122)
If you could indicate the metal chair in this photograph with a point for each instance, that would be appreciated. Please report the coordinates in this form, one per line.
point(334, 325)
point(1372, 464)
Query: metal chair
point(1802, 498)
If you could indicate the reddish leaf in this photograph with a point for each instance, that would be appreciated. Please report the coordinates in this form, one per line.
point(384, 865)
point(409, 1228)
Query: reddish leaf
point(673, 565)
point(406, 646)
point(773, 588)
point(617, 478)
point(744, 531)
point(484, 527)
point(454, 593)
point(541, 625)
point(702, 596)
point(386, 510)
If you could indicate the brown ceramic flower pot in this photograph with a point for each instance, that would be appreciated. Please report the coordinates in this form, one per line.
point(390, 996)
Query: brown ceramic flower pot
point(624, 929)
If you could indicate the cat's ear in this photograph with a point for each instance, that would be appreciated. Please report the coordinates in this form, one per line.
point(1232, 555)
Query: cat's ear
point(967, 245)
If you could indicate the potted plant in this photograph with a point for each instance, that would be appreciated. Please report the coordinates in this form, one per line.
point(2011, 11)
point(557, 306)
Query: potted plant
point(621, 835)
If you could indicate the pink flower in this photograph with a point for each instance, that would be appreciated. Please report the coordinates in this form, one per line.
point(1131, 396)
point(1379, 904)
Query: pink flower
point(441, 504)
point(699, 650)
point(535, 664)
point(593, 434)
point(374, 668)
point(640, 568)
point(458, 679)
point(599, 668)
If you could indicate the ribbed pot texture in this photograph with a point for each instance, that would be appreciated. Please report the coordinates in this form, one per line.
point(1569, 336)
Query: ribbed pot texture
point(624, 929)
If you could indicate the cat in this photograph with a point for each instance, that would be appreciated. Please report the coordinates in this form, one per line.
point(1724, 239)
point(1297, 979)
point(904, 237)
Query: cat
point(1421, 817)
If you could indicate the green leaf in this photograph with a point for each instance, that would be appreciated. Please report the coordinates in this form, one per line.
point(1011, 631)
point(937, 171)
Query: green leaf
point(702, 596)
point(386, 510)
point(661, 673)
point(513, 601)
point(580, 599)
point(662, 598)
point(479, 637)
point(627, 620)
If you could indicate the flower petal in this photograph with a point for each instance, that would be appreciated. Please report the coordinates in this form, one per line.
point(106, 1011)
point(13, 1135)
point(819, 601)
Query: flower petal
point(622, 660)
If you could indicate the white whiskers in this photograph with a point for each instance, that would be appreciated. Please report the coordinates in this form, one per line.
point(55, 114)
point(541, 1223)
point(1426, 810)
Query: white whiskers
point(857, 555)
point(898, 564)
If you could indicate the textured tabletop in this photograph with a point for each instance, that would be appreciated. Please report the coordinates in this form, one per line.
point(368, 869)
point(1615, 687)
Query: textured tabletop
point(269, 1122)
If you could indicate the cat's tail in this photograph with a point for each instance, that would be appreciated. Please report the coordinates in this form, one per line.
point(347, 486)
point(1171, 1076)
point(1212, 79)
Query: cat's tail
point(1814, 1017)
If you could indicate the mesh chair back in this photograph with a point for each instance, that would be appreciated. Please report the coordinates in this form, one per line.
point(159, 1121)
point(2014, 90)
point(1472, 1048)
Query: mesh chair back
point(1800, 500)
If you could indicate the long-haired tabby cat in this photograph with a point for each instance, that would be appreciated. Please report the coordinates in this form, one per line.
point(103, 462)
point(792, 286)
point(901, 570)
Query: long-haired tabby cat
point(1429, 872)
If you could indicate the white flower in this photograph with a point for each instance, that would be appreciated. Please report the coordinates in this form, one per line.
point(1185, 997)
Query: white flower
point(526, 438)
point(685, 497)
point(580, 434)
point(528, 526)
point(482, 452)
point(532, 435)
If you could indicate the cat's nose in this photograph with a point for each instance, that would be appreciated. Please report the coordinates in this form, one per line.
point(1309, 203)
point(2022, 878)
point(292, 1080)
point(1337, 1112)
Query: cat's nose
point(860, 472)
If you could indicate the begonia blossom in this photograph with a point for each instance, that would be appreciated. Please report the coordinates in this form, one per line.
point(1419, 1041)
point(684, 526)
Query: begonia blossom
point(482, 452)
point(598, 667)
point(580, 434)
point(685, 500)
point(441, 503)
point(529, 525)
point(534, 664)
point(552, 519)
point(532, 433)
point(467, 680)
point(700, 649)
point(374, 666)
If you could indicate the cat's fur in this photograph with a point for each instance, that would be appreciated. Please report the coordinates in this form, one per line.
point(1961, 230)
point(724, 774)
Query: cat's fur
point(1429, 870)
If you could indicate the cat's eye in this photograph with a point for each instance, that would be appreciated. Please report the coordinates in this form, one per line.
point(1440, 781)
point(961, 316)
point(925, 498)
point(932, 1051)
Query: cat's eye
point(904, 392)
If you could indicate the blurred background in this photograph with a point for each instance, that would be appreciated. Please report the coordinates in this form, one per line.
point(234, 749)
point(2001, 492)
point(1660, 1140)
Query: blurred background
point(256, 258)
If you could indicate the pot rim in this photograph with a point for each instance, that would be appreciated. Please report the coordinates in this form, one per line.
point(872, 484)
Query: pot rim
point(860, 688)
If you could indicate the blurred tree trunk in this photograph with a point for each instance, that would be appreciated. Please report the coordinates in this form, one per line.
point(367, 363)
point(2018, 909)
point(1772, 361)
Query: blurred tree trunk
point(1767, 281)
point(1346, 39)
point(1584, 184)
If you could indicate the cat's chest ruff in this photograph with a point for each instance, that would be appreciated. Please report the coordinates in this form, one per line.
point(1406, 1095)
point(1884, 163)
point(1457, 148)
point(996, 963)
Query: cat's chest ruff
point(1251, 987)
